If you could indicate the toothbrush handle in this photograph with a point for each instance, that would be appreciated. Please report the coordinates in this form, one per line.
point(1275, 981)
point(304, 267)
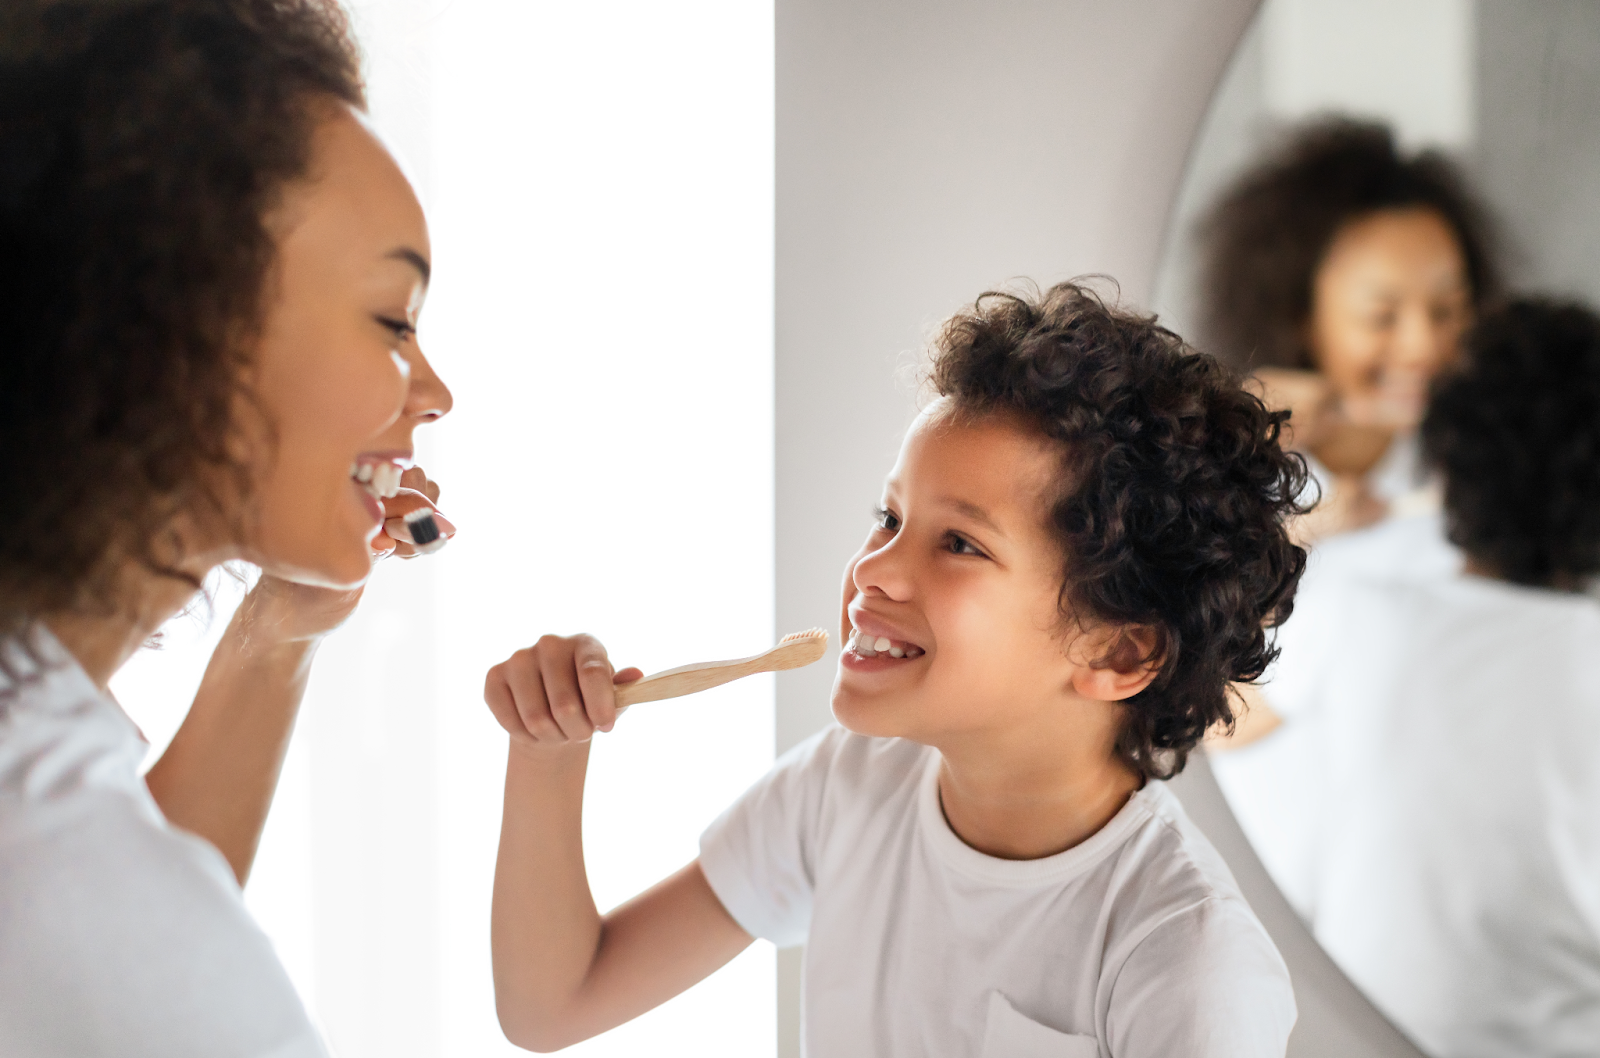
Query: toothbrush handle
point(675, 683)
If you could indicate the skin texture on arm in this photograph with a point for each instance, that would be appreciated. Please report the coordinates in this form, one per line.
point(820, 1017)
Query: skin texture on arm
point(217, 777)
point(562, 971)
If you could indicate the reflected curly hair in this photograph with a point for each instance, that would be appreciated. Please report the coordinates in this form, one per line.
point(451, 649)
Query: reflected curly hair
point(143, 144)
point(1265, 238)
point(1515, 430)
point(1171, 501)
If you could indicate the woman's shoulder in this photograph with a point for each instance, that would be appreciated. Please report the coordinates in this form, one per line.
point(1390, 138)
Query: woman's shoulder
point(116, 928)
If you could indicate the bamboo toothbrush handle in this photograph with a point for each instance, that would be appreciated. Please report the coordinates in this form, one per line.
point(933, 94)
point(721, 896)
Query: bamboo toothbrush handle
point(689, 679)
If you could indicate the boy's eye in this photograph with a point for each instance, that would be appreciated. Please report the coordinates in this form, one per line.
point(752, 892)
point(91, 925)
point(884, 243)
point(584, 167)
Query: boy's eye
point(960, 545)
point(885, 519)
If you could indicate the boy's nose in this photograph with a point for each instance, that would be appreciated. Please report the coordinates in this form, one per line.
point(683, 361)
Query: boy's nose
point(883, 572)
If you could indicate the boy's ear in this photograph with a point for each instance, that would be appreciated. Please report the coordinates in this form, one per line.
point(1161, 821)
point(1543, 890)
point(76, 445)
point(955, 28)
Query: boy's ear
point(1124, 659)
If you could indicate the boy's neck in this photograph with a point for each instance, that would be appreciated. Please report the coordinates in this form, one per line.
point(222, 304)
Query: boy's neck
point(1022, 795)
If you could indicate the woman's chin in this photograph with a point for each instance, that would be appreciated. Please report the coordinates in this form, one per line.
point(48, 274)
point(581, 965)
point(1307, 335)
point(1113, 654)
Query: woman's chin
point(338, 573)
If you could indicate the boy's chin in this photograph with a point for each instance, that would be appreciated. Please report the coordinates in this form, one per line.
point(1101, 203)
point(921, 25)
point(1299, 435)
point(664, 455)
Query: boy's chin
point(876, 715)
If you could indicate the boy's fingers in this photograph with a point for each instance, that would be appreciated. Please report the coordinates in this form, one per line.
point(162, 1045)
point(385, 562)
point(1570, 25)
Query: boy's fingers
point(527, 688)
point(565, 697)
point(594, 681)
point(503, 707)
point(627, 675)
point(497, 696)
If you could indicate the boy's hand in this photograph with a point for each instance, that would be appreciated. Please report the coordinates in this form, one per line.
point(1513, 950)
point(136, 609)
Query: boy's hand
point(560, 690)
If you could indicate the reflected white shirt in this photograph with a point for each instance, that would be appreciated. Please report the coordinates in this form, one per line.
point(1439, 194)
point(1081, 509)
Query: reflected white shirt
point(1443, 734)
point(119, 934)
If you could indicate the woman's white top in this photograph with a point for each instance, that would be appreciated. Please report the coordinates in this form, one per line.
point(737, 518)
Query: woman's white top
point(119, 934)
point(1135, 943)
point(1433, 800)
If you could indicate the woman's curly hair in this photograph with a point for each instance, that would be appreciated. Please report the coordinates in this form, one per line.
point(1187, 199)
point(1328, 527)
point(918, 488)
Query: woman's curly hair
point(1263, 241)
point(143, 145)
point(1171, 501)
point(1514, 429)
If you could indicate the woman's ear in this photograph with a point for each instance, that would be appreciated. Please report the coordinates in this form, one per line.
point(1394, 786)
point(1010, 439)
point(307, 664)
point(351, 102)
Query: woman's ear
point(1125, 659)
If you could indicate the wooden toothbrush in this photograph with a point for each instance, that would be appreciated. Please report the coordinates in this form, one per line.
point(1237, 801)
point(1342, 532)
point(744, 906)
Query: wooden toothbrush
point(795, 650)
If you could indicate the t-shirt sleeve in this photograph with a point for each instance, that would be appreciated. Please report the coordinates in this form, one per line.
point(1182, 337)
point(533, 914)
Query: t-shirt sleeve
point(1204, 983)
point(759, 856)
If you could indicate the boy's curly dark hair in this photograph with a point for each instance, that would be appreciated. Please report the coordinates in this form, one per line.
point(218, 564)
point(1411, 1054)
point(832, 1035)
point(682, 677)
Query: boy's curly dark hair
point(1265, 238)
point(143, 144)
point(1515, 431)
point(1172, 497)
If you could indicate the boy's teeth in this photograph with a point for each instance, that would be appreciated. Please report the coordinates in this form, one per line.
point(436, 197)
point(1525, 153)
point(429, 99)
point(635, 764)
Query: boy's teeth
point(364, 473)
point(869, 646)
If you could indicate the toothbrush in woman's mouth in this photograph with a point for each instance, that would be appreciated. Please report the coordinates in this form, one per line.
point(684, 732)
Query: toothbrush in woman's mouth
point(379, 477)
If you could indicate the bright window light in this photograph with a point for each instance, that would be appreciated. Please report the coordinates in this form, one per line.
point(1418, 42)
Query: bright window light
point(599, 184)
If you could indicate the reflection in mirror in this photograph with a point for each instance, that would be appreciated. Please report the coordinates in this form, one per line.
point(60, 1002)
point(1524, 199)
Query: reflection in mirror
point(1388, 219)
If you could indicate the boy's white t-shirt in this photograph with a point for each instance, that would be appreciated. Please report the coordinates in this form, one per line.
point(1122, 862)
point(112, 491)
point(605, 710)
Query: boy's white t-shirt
point(119, 934)
point(1135, 943)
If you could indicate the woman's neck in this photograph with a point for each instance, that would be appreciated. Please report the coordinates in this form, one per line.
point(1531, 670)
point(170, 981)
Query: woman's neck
point(1023, 795)
point(102, 642)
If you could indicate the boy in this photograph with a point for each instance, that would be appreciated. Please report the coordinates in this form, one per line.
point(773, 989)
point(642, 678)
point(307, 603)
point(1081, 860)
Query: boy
point(1077, 552)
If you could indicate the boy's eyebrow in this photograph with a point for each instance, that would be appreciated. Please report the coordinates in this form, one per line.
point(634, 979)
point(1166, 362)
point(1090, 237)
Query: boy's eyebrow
point(976, 513)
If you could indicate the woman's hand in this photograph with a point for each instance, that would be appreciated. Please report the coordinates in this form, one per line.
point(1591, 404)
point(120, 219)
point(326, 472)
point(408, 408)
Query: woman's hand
point(1313, 406)
point(279, 611)
point(560, 690)
point(416, 491)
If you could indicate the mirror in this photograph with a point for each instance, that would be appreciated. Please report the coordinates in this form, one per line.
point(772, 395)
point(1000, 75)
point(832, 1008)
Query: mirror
point(1421, 773)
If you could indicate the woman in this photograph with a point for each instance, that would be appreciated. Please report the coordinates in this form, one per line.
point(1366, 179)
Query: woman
point(211, 272)
point(1343, 275)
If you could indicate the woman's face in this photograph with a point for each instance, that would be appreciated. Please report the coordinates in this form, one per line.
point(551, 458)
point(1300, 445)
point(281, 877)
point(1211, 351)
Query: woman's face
point(338, 371)
point(1389, 304)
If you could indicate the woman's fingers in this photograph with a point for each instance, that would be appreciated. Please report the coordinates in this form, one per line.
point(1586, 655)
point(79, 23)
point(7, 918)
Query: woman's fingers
point(416, 492)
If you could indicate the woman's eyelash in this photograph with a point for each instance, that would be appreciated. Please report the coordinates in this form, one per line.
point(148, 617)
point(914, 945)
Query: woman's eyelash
point(884, 518)
point(401, 328)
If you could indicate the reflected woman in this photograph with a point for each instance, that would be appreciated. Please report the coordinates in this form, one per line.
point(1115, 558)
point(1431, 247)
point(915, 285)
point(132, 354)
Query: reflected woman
point(1343, 274)
point(210, 275)
point(1444, 715)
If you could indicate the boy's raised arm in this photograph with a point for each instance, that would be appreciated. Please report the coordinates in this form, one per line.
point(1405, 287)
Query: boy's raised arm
point(562, 971)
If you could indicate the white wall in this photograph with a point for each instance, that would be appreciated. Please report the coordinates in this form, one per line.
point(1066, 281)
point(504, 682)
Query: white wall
point(927, 151)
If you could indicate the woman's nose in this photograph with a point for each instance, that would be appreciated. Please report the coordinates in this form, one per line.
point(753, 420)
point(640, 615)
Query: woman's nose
point(428, 398)
point(1423, 343)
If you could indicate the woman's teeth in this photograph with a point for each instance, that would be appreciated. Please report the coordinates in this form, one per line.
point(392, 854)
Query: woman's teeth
point(868, 646)
point(380, 479)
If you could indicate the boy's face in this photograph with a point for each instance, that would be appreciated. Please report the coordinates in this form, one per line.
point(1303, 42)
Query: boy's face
point(962, 576)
